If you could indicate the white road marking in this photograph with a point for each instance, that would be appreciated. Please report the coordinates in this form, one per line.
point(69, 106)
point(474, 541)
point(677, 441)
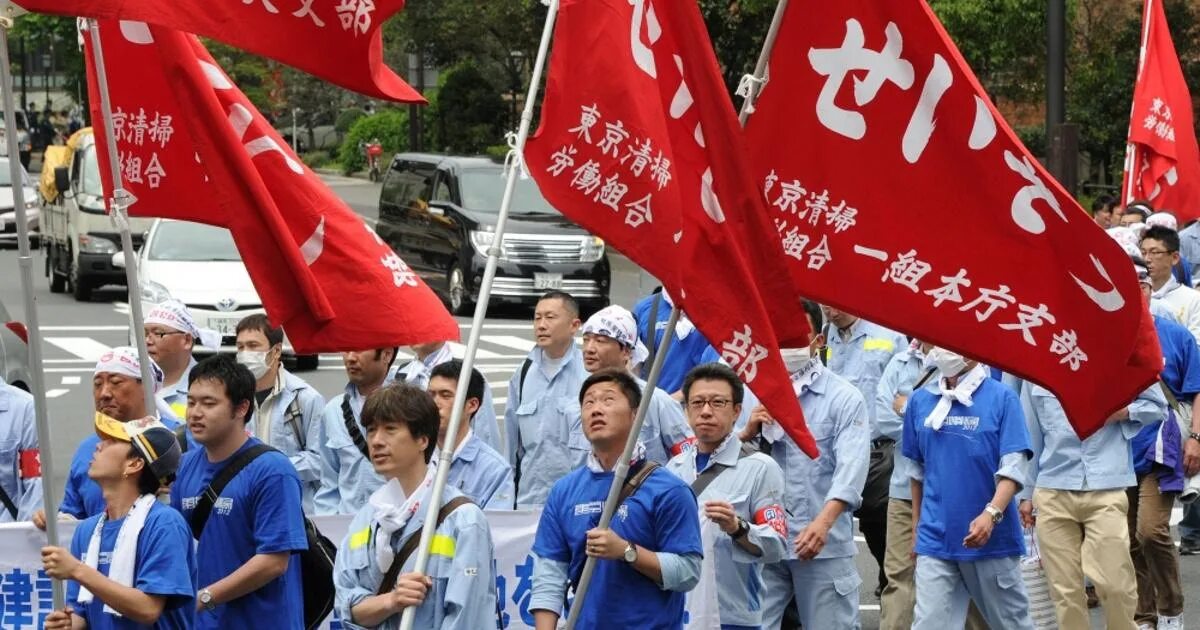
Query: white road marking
point(55, 393)
point(459, 350)
point(70, 380)
point(509, 341)
point(83, 328)
point(85, 348)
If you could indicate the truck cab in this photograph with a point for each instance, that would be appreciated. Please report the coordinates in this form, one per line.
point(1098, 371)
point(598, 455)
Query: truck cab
point(78, 235)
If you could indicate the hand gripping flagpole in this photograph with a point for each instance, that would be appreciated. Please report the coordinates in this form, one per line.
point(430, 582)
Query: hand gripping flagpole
point(621, 470)
point(485, 294)
point(8, 12)
point(120, 201)
point(752, 85)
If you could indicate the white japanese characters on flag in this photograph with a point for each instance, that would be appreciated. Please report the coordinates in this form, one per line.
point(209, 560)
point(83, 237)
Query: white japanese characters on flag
point(900, 195)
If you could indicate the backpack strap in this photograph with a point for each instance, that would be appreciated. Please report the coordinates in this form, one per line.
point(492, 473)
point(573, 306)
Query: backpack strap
point(651, 326)
point(410, 545)
point(925, 378)
point(292, 416)
point(8, 503)
point(521, 383)
point(209, 497)
point(714, 470)
point(634, 481)
point(352, 428)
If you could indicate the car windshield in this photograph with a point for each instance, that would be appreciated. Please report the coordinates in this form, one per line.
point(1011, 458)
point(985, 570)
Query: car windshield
point(483, 189)
point(91, 184)
point(194, 242)
point(6, 177)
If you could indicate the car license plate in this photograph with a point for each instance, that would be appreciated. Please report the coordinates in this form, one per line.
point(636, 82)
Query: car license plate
point(227, 326)
point(547, 281)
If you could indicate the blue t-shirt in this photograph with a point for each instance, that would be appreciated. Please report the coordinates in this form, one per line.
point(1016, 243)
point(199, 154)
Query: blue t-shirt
point(165, 565)
point(81, 496)
point(702, 460)
point(683, 355)
point(259, 512)
point(960, 463)
point(1181, 373)
point(660, 516)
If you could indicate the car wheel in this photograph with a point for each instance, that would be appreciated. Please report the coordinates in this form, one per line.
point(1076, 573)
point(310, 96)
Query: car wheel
point(80, 288)
point(307, 362)
point(456, 289)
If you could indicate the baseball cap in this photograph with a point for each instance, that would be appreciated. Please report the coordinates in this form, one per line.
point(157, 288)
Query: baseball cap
point(156, 444)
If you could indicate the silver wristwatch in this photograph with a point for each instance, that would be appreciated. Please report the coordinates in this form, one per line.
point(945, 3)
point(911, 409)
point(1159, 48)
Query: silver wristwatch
point(997, 513)
point(206, 599)
point(630, 553)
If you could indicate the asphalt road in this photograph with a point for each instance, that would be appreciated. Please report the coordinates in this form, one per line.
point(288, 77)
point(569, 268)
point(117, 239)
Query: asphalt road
point(75, 334)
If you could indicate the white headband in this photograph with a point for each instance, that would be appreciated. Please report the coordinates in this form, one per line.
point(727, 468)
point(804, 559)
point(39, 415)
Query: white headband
point(617, 323)
point(175, 314)
point(124, 360)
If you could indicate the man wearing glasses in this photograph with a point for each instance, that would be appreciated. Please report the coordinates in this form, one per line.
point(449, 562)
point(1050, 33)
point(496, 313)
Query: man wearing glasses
point(171, 334)
point(1160, 249)
point(740, 491)
point(820, 494)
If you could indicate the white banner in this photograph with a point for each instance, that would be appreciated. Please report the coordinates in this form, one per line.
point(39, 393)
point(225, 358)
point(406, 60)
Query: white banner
point(25, 597)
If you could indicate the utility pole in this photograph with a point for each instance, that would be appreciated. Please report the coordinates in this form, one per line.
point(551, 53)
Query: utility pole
point(1062, 139)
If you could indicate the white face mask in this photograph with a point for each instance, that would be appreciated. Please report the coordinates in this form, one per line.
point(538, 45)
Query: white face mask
point(948, 363)
point(256, 362)
point(794, 359)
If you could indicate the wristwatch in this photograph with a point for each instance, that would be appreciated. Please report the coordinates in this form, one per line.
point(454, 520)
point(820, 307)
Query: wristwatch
point(743, 528)
point(1194, 436)
point(997, 513)
point(206, 599)
point(630, 553)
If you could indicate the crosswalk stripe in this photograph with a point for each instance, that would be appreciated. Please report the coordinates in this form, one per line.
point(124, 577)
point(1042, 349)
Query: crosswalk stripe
point(459, 351)
point(85, 348)
point(55, 393)
point(509, 341)
point(70, 380)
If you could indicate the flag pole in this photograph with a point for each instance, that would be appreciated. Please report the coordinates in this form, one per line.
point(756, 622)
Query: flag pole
point(25, 262)
point(485, 292)
point(752, 85)
point(621, 470)
point(1130, 150)
point(120, 201)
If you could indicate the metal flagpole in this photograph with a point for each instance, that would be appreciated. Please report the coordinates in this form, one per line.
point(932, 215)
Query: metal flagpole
point(1131, 161)
point(752, 85)
point(120, 201)
point(485, 293)
point(621, 470)
point(25, 262)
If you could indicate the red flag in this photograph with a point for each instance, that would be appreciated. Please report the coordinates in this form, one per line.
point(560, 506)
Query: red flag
point(878, 150)
point(339, 42)
point(634, 147)
point(1165, 160)
point(322, 274)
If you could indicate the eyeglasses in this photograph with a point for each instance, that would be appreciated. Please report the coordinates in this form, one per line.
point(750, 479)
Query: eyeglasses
point(160, 335)
point(1146, 253)
point(697, 404)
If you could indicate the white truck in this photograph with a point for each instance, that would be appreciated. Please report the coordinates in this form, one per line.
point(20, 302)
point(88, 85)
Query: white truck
point(79, 238)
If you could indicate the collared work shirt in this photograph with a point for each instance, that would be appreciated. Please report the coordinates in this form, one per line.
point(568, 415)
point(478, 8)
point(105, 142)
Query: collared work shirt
point(480, 473)
point(174, 396)
point(903, 372)
point(484, 424)
point(347, 477)
point(1184, 304)
point(270, 423)
point(754, 486)
point(542, 425)
point(18, 433)
point(861, 358)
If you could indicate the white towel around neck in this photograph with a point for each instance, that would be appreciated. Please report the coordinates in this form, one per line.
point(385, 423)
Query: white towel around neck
point(392, 512)
point(124, 554)
point(967, 384)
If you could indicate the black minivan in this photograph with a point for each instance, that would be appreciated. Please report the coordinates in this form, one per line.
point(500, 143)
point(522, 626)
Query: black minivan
point(439, 214)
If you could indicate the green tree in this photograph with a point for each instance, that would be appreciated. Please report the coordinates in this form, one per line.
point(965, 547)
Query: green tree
point(389, 126)
point(476, 118)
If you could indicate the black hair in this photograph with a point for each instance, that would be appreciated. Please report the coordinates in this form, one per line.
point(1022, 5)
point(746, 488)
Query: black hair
point(813, 310)
point(1104, 203)
point(451, 369)
point(258, 322)
point(238, 380)
point(1141, 208)
point(395, 351)
point(568, 300)
point(405, 404)
point(148, 482)
point(627, 384)
point(715, 372)
point(1169, 237)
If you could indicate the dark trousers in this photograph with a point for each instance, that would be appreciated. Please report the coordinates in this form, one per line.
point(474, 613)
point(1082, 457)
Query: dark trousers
point(872, 515)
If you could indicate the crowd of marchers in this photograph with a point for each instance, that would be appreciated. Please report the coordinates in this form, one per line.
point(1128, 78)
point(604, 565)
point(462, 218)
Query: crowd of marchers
point(193, 514)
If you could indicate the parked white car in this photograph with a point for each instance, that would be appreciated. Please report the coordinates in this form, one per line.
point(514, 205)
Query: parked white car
point(8, 213)
point(200, 266)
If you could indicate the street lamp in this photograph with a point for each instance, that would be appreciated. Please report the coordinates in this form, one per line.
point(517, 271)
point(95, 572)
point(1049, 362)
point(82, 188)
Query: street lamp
point(295, 114)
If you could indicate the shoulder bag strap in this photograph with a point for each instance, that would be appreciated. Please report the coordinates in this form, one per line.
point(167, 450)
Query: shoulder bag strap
point(635, 480)
point(925, 378)
point(710, 474)
point(209, 497)
point(291, 417)
point(521, 383)
point(410, 545)
point(352, 428)
point(651, 328)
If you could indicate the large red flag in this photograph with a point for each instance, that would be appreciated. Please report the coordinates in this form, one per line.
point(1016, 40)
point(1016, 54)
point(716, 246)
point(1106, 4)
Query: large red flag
point(874, 141)
point(634, 147)
point(340, 42)
point(1164, 164)
point(321, 272)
